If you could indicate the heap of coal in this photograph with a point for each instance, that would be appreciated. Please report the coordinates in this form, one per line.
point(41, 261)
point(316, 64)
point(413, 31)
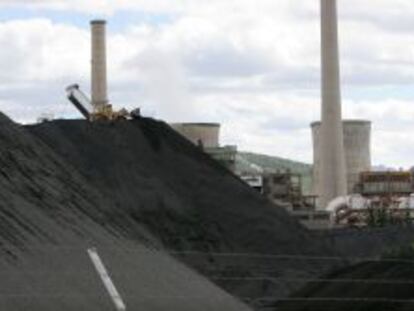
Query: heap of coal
point(182, 196)
point(50, 218)
point(199, 211)
point(370, 286)
point(152, 204)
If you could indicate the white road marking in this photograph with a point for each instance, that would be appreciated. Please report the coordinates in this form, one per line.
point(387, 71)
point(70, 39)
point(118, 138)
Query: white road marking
point(106, 279)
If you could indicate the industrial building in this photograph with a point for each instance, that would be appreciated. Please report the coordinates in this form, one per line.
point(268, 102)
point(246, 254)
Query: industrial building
point(382, 198)
point(285, 188)
point(399, 183)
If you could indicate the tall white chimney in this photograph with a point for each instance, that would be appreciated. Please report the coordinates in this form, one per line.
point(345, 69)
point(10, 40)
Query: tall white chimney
point(98, 62)
point(332, 169)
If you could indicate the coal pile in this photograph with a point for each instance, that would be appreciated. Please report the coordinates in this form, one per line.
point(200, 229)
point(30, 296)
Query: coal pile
point(199, 211)
point(160, 213)
point(51, 215)
point(368, 242)
point(369, 286)
point(184, 197)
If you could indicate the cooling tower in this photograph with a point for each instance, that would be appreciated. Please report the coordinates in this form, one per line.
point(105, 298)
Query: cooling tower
point(205, 133)
point(357, 144)
point(98, 62)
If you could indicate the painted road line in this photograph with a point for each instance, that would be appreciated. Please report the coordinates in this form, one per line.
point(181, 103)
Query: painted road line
point(106, 279)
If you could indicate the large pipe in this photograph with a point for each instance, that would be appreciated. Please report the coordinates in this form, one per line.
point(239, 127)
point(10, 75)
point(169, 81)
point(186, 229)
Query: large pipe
point(333, 168)
point(98, 62)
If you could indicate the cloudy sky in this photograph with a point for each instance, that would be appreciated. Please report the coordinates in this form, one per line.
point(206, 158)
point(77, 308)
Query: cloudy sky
point(251, 65)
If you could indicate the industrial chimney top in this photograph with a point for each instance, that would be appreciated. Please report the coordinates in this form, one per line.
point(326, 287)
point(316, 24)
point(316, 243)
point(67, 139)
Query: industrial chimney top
point(346, 121)
point(98, 22)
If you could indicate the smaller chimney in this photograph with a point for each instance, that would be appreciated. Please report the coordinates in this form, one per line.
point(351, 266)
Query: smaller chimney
point(98, 64)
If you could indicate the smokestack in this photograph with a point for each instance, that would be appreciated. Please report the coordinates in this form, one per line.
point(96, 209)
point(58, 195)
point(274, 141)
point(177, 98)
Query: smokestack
point(332, 169)
point(98, 74)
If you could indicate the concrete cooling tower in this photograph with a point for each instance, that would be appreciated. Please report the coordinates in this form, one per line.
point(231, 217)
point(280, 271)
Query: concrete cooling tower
point(357, 145)
point(205, 133)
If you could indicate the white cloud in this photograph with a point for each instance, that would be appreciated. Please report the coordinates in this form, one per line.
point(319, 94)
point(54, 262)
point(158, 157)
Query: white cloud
point(39, 51)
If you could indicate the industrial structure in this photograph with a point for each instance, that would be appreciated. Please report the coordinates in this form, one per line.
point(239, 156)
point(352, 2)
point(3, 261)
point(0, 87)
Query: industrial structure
point(332, 169)
point(381, 198)
point(280, 185)
point(207, 137)
point(285, 189)
point(357, 150)
point(98, 108)
point(388, 183)
point(99, 87)
point(342, 157)
point(202, 134)
point(344, 189)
